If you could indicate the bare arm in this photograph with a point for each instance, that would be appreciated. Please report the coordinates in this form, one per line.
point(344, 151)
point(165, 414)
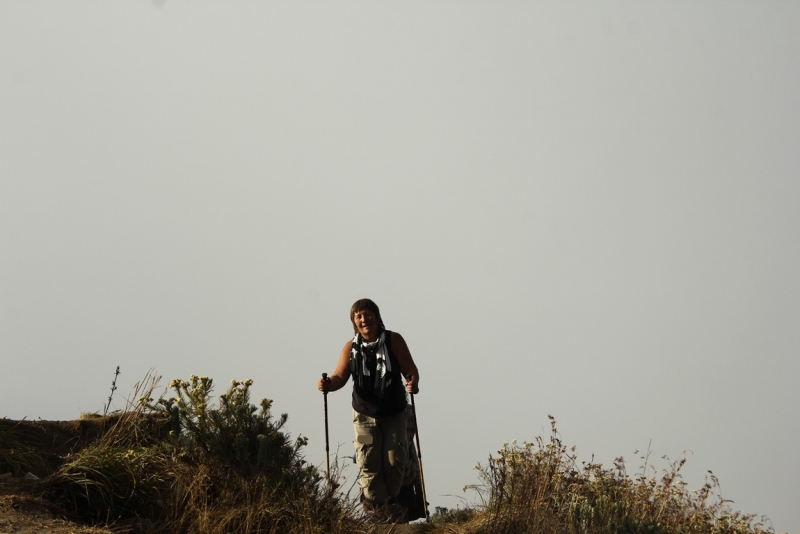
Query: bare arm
point(406, 362)
point(342, 373)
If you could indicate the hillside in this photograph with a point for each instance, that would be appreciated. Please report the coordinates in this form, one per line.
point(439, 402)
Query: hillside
point(184, 464)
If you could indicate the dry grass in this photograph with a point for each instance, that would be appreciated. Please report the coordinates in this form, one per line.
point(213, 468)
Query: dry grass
point(17, 454)
point(540, 487)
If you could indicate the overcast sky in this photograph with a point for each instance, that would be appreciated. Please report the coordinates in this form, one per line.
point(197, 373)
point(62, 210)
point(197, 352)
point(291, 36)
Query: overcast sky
point(589, 210)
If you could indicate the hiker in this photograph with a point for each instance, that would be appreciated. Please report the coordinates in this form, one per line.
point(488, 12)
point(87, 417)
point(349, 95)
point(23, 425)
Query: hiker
point(377, 359)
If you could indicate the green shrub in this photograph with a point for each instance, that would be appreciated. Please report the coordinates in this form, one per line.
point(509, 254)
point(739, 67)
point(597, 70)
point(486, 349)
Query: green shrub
point(185, 465)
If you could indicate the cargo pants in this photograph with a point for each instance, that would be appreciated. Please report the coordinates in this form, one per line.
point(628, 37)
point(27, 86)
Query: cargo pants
point(382, 453)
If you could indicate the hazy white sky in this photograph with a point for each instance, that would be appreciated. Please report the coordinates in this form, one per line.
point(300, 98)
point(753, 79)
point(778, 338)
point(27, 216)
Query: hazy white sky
point(589, 210)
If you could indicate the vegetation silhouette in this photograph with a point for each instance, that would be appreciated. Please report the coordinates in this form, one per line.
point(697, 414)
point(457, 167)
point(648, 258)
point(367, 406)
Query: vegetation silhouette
point(183, 463)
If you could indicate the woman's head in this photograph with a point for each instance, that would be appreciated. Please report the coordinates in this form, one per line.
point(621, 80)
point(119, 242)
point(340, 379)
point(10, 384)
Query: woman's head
point(360, 313)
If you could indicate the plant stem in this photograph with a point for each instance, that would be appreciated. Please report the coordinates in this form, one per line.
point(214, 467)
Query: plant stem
point(113, 389)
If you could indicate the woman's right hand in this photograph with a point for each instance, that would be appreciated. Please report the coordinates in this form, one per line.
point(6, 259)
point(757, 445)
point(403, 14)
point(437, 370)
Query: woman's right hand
point(341, 375)
point(323, 383)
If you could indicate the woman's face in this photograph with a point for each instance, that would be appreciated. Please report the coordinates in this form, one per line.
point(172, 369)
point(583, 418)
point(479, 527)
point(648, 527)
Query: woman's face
point(367, 324)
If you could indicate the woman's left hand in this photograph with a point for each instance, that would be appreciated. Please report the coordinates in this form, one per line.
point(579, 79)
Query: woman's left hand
point(411, 387)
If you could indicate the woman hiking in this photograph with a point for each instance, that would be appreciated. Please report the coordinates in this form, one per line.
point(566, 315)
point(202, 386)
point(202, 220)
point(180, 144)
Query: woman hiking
point(378, 360)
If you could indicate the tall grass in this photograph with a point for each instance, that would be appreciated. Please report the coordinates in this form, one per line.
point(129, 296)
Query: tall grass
point(17, 454)
point(540, 487)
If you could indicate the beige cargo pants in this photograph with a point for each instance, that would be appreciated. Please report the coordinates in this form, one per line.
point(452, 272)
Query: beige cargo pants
point(382, 453)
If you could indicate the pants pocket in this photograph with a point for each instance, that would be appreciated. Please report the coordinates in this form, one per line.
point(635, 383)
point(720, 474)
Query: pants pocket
point(369, 459)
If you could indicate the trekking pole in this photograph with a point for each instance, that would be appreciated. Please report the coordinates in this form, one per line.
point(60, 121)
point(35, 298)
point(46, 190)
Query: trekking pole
point(419, 459)
point(327, 443)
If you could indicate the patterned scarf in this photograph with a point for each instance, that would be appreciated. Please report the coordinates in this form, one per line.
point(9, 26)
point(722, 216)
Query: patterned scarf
point(383, 365)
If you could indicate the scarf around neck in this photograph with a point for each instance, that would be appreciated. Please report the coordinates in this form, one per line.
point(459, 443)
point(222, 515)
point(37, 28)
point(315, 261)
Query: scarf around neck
point(383, 365)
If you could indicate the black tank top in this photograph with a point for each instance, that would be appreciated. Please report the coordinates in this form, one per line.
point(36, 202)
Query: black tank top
point(367, 402)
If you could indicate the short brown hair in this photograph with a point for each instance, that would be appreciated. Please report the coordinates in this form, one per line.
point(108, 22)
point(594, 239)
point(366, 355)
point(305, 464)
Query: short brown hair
point(365, 304)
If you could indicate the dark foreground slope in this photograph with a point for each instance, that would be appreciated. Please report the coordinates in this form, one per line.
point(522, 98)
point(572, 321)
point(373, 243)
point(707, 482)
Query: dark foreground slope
point(183, 465)
point(179, 464)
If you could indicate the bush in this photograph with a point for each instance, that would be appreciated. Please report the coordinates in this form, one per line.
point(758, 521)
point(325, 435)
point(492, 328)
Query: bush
point(236, 433)
point(187, 466)
point(539, 487)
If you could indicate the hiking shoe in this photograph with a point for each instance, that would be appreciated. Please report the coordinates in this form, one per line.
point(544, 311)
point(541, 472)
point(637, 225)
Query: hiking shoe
point(396, 512)
point(374, 510)
point(388, 512)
